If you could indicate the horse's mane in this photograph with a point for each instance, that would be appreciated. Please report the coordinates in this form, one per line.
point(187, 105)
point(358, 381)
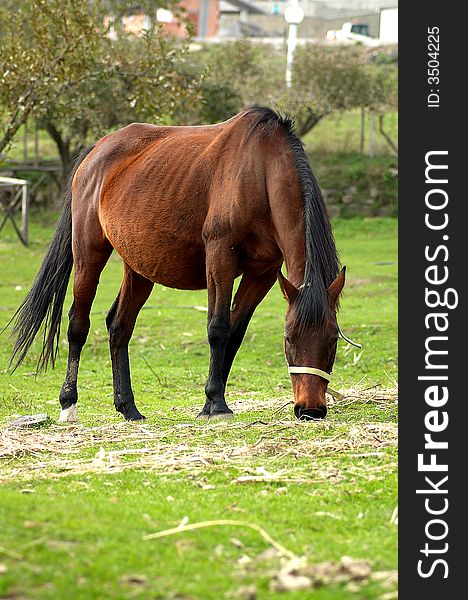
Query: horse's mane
point(322, 264)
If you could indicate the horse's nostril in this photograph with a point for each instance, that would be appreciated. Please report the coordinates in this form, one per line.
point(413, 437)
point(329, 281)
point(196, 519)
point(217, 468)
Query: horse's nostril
point(310, 413)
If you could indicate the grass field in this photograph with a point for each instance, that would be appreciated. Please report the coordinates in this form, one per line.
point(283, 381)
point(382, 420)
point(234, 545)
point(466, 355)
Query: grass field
point(76, 501)
point(341, 133)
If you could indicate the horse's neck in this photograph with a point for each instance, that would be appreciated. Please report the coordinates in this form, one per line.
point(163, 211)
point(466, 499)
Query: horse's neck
point(287, 210)
point(290, 236)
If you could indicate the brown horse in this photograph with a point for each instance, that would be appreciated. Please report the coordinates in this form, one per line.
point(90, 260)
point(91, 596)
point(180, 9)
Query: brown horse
point(194, 208)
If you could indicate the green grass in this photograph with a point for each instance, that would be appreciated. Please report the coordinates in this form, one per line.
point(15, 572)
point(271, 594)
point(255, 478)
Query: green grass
point(73, 526)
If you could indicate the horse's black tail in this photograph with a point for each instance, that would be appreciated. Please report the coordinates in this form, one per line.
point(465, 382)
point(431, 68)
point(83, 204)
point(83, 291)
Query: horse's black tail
point(43, 305)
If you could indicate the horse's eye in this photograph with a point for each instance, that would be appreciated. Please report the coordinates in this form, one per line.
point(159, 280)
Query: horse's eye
point(288, 339)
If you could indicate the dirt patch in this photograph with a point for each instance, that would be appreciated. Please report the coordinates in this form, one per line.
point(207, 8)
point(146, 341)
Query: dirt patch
point(297, 575)
point(358, 282)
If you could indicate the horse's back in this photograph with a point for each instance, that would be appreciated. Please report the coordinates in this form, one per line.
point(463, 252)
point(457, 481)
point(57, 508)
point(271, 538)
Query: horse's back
point(161, 191)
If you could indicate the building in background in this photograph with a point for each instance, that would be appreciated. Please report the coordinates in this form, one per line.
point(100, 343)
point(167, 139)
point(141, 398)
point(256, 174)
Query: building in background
point(388, 33)
point(320, 16)
point(215, 20)
point(202, 14)
point(235, 19)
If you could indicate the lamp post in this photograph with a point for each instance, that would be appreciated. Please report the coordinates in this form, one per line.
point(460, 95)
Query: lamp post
point(293, 16)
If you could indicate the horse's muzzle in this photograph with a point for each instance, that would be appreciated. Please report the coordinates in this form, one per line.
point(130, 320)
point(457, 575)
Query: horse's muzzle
point(306, 414)
point(309, 396)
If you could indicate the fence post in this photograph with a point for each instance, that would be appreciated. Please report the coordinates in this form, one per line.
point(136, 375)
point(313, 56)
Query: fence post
point(363, 129)
point(372, 135)
point(25, 213)
point(25, 142)
point(36, 145)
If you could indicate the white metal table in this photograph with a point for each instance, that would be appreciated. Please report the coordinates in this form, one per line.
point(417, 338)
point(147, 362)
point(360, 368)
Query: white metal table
point(14, 196)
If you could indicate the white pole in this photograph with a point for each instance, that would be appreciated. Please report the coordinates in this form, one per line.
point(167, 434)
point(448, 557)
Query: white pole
point(293, 16)
point(292, 42)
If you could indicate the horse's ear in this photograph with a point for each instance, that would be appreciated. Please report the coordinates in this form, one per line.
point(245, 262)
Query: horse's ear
point(336, 287)
point(290, 292)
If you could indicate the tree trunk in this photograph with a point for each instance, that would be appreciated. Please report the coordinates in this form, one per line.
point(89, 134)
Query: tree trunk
point(309, 123)
point(387, 138)
point(18, 119)
point(64, 150)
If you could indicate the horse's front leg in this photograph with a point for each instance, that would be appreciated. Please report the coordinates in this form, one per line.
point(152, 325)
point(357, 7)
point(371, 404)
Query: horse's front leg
point(221, 264)
point(251, 291)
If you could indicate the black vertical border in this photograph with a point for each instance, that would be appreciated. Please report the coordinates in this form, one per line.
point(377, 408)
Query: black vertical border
point(422, 129)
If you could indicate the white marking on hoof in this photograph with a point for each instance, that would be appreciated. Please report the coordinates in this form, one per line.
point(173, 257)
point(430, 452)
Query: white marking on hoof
point(69, 415)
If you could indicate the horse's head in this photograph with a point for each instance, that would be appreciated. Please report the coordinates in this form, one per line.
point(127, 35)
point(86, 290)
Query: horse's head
point(310, 350)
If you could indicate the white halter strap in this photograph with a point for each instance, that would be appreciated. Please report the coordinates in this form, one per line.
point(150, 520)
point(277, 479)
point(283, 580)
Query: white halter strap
point(346, 339)
point(310, 371)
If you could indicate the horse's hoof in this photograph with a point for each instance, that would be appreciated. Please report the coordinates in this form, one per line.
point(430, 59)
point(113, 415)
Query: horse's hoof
point(68, 415)
point(136, 416)
point(219, 416)
point(132, 414)
point(203, 415)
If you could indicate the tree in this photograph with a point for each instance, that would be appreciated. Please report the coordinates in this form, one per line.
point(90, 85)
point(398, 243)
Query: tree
point(45, 46)
point(328, 80)
point(325, 80)
point(387, 102)
point(235, 75)
point(135, 79)
point(64, 70)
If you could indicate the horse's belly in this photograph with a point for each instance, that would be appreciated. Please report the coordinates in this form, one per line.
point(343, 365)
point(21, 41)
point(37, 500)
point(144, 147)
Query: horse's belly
point(162, 257)
point(180, 267)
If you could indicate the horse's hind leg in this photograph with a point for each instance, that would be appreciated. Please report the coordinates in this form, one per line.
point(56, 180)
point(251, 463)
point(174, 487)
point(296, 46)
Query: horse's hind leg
point(88, 263)
point(120, 321)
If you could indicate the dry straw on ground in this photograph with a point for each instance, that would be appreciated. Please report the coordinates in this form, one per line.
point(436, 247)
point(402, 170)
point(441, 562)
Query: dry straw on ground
point(55, 451)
